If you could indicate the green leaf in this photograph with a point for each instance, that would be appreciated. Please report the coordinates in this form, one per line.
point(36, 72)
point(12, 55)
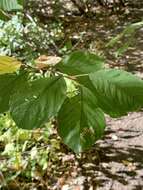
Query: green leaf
point(9, 5)
point(21, 2)
point(81, 122)
point(117, 92)
point(36, 103)
point(8, 85)
point(8, 64)
point(80, 63)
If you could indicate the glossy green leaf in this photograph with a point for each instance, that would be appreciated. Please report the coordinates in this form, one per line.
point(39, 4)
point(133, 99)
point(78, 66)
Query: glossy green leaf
point(36, 103)
point(10, 5)
point(80, 63)
point(80, 121)
point(8, 85)
point(117, 92)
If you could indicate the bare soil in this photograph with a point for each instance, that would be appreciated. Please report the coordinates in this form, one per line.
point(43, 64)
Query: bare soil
point(114, 163)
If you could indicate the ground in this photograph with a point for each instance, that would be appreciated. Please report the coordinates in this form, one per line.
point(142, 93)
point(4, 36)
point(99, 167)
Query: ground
point(115, 162)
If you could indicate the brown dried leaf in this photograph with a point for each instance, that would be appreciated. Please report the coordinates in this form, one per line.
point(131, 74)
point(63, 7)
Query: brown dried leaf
point(47, 61)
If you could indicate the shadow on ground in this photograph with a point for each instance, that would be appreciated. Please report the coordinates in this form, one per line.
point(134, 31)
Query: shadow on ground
point(116, 162)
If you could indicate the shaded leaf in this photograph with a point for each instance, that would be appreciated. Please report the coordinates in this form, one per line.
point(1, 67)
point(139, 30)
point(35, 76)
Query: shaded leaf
point(21, 2)
point(36, 103)
point(8, 85)
point(81, 122)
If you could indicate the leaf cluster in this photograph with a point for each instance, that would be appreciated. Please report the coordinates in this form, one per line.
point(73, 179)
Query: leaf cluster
point(34, 100)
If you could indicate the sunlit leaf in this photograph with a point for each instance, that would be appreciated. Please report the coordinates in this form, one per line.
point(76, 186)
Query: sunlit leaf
point(117, 92)
point(80, 63)
point(10, 5)
point(8, 64)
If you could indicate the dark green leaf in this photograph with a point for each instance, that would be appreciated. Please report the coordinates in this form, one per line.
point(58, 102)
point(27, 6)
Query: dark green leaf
point(21, 2)
point(80, 63)
point(8, 85)
point(117, 92)
point(81, 122)
point(36, 103)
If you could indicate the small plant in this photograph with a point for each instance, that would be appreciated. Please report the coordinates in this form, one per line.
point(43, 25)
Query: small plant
point(127, 37)
point(21, 39)
point(34, 95)
point(25, 154)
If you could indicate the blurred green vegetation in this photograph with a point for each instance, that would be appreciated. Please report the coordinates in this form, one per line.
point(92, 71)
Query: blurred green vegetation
point(25, 154)
point(26, 39)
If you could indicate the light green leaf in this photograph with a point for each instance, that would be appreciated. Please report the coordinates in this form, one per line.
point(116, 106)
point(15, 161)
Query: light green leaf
point(117, 92)
point(10, 5)
point(36, 103)
point(81, 122)
point(8, 64)
point(80, 63)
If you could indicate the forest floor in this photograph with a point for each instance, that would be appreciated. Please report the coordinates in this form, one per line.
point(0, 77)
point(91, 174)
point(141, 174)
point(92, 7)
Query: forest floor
point(116, 162)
